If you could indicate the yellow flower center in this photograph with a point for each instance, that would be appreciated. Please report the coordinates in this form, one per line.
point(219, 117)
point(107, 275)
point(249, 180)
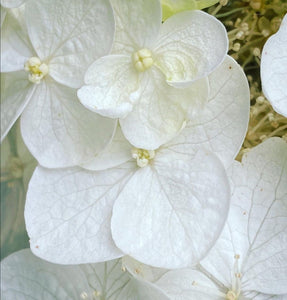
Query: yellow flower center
point(142, 59)
point(231, 295)
point(142, 156)
point(37, 70)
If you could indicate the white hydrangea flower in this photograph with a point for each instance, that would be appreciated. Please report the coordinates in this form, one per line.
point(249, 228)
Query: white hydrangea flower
point(249, 259)
point(45, 54)
point(134, 84)
point(68, 212)
point(28, 277)
point(274, 69)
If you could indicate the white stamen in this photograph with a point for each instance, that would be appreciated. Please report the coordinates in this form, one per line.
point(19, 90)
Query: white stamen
point(234, 293)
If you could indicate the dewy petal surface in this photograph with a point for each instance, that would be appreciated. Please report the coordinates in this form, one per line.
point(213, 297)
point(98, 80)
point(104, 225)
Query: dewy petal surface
point(161, 111)
point(137, 24)
point(68, 213)
point(163, 215)
point(256, 225)
point(16, 93)
point(109, 82)
point(274, 69)
point(59, 131)
point(191, 45)
point(223, 122)
point(27, 277)
point(70, 34)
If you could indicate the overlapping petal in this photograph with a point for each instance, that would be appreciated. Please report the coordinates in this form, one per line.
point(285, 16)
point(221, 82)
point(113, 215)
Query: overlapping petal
point(189, 284)
point(28, 277)
point(162, 111)
point(70, 35)
point(191, 45)
point(137, 24)
point(175, 198)
point(165, 210)
point(109, 82)
point(222, 124)
point(68, 213)
point(115, 154)
point(274, 69)
point(16, 92)
point(16, 47)
point(59, 131)
point(256, 226)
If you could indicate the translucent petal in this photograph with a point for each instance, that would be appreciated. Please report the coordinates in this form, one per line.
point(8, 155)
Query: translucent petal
point(16, 92)
point(137, 24)
point(27, 277)
point(189, 284)
point(59, 131)
point(256, 225)
point(16, 47)
point(116, 153)
point(222, 124)
point(162, 110)
point(190, 46)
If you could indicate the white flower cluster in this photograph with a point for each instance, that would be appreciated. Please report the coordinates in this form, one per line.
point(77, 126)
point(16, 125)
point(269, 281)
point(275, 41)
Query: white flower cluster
point(135, 124)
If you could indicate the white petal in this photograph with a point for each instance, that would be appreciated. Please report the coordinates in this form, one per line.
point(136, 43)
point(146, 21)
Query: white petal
point(137, 25)
point(16, 47)
point(68, 213)
point(59, 131)
point(188, 284)
point(109, 82)
point(12, 3)
point(256, 226)
point(27, 277)
point(29, 162)
point(223, 122)
point(274, 69)
point(16, 93)
point(142, 271)
point(191, 45)
point(161, 111)
point(163, 215)
point(116, 153)
point(110, 280)
point(70, 34)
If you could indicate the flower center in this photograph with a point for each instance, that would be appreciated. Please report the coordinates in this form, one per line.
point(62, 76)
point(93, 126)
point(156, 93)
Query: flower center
point(231, 296)
point(142, 156)
point(142, 59)
point(37, 70)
